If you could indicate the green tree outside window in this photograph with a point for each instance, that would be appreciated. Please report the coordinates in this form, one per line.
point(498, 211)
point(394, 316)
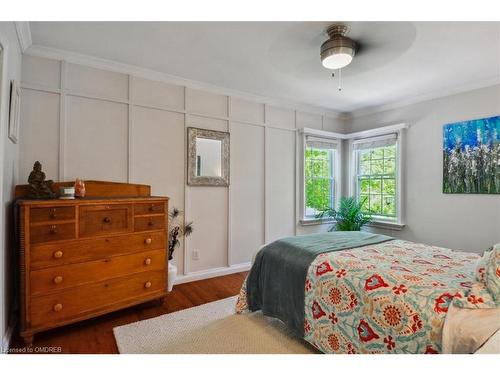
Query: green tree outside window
point(319, 183)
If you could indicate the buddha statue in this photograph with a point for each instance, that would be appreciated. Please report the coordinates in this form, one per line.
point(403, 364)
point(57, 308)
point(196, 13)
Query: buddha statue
point(38, 187)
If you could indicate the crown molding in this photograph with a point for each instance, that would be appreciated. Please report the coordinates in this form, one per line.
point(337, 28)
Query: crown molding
point(23, 35)
point(487, 82)
point(137, 71)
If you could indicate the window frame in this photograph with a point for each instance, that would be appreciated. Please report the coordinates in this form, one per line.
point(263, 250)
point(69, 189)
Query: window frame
point(382, 221)
point(326, 137)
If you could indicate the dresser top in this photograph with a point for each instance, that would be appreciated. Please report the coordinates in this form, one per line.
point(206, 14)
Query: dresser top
point(96, 192)
point(87, 200)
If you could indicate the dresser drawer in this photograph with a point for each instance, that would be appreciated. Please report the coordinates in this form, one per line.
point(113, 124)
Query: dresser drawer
point(149, 208)
point(65, 276)
point(149, 223)
point(104, 219)
point(52, 232)
point(82, 301)
point(49, 255)
point(52, 214)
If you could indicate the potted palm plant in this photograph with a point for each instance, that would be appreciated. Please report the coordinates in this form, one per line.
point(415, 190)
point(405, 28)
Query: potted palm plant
point(349, 216)
point(177, 229)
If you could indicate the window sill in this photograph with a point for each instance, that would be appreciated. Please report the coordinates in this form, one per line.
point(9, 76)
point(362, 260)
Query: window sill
point(386, 225)
point(307, 222)
point(373, 224)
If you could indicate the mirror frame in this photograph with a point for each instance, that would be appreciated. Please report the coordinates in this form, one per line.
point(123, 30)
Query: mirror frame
point(192, 178)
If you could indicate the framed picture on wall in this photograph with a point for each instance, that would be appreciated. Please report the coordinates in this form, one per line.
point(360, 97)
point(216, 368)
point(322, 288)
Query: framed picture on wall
point(14, 111)
point(471, 151)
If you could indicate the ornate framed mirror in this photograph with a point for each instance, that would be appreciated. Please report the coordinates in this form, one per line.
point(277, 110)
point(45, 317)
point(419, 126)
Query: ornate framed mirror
point(208, 157)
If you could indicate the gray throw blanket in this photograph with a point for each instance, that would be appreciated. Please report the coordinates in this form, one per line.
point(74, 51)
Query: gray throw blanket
point(276, 282)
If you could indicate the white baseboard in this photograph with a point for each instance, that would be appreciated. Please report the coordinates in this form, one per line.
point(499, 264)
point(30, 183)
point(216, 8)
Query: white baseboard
point(6, 339)
point(214, 272)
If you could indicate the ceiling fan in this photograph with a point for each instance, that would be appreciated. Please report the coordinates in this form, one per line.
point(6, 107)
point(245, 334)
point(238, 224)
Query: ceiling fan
point(339, 50)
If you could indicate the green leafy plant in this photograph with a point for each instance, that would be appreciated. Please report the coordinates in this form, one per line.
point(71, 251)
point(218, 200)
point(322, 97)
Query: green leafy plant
point(177, 228)
point(349, 216)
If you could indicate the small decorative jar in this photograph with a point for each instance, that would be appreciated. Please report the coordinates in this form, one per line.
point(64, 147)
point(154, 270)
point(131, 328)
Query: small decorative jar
point(67, 192)
point(79, 188)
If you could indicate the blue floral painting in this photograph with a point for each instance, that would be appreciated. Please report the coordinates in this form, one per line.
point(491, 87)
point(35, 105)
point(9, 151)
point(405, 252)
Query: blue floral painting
point(471, 156)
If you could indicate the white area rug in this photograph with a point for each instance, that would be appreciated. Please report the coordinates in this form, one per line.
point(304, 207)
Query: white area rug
point(213, 328)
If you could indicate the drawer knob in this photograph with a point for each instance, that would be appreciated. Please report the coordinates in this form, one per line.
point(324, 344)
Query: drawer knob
point(52, 213)
point(147, 285)
point(147, 261)
point(58, 280)
point(107, 219)
point(58, 254)
point(150, 223)
point(153, 208)
point(148, 241)
point(53, 229)
point(57, 307)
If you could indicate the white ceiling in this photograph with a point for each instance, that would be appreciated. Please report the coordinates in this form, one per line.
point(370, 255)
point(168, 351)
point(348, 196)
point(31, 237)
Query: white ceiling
point(397, 60)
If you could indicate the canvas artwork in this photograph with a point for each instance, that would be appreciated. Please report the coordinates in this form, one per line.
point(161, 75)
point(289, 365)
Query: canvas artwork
point(471, 156)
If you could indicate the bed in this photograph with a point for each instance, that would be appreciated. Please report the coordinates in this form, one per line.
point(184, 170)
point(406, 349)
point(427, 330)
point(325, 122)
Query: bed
point(355, 292)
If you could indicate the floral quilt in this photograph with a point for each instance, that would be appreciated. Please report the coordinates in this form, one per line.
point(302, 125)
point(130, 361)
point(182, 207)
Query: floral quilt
point(385, 298)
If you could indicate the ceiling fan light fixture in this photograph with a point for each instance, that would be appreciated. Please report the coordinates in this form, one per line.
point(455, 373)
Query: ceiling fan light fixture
point(337, 58)
point(338, 51)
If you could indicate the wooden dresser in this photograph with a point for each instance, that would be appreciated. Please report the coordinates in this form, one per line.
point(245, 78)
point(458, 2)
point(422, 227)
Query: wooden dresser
point(85, 257)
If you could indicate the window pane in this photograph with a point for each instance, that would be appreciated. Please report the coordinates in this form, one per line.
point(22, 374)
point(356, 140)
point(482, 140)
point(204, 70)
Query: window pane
point(365, 202)
point(389, 166)
point(364, 155)
point(390, 151)
point(377, 166)
point(364, 186)
point(318, 195)
point(317, 168)
point(364, 167)
point(376, 204)
point(377, 153)
point(389, 186)
point(375, 186)
point(389, 206)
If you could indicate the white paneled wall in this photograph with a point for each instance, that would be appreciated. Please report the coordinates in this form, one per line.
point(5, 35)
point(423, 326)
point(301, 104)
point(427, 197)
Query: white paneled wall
point(157, 94)
point(96, 144)
point(280, 184)
point(157, 150)
point(247, 191)
point(39, 135)
point(97, 124)
point(96, 82)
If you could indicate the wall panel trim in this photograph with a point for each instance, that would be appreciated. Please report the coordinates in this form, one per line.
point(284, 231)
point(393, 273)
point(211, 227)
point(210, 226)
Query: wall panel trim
point(43, 88)
point(229, 191)
point(62, 123)
point(130, 172)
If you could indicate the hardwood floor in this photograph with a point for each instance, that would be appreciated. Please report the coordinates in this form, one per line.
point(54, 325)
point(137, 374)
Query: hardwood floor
point(96, 335)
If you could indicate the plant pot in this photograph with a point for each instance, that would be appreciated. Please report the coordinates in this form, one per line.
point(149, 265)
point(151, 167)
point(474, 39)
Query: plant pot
point(172, 274)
